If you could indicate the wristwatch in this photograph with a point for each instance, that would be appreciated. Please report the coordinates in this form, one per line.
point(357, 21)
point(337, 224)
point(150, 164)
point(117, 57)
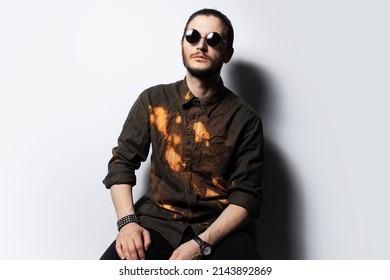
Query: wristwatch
point(205, 248)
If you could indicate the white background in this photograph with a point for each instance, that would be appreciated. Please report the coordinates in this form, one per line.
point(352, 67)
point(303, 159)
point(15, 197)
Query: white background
point(70, 71)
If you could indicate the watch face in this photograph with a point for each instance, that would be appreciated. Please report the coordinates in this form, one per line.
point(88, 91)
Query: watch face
point(206, 250)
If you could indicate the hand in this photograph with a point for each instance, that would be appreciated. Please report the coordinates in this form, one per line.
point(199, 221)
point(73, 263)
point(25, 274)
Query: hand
point(187, 251)
point(132, 242)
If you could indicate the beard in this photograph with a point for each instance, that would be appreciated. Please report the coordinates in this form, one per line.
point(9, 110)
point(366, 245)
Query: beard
point(215, 68)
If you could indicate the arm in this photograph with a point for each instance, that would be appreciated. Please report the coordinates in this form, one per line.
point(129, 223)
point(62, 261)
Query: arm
point(132, 240)
point(231, 219)
point(133, 147)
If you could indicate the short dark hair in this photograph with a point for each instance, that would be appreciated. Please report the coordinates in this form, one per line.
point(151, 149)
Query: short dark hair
point(228, 29)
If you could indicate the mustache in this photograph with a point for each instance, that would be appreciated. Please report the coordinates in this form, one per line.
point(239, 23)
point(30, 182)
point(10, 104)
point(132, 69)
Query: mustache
point(200, 54)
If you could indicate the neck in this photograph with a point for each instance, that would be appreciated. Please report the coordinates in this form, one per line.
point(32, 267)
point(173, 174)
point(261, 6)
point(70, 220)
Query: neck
point(202, 87)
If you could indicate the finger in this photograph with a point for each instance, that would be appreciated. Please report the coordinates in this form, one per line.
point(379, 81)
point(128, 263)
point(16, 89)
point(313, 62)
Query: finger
point(126, 247)
point(139, 247)
point(133, 254)
point(147, 239)
point(174, 255)
point(118, 247)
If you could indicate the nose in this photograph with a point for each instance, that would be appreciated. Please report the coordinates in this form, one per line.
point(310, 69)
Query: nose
point(202, 44)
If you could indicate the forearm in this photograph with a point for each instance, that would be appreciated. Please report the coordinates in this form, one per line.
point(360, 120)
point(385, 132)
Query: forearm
point(122, 198)
point(231, 219)
point(132, 240)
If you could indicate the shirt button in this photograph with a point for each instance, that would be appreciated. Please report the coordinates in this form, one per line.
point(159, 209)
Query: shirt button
point(185, 167)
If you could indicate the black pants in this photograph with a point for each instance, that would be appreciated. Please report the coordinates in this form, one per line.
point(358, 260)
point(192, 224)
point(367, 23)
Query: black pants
point(238, 246)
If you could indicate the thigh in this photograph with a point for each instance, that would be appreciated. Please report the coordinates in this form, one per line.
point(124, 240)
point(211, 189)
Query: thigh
point(160, 249)
point(238, 246)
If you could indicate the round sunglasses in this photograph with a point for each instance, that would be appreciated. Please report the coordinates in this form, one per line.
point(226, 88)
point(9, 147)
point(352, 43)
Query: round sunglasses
point(212, 39)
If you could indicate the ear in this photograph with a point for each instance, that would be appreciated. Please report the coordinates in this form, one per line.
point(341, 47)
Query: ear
point(228, 55)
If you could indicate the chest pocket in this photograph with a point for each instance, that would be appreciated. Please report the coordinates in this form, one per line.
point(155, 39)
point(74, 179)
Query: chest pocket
point(216, 157)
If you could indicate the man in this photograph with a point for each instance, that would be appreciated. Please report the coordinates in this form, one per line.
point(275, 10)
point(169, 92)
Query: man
point(206, 165)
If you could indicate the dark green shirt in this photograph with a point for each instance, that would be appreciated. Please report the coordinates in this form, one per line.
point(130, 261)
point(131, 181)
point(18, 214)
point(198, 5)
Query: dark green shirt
point(206, 154)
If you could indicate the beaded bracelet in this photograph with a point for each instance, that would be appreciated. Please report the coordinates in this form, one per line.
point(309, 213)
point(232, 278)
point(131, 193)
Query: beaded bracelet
point(126, 220)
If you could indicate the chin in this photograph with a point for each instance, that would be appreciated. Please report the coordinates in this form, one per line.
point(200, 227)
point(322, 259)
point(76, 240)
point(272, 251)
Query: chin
point(202, 72)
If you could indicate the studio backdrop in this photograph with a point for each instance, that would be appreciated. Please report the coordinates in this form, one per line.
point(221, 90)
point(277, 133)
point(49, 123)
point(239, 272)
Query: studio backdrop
point(316, 72)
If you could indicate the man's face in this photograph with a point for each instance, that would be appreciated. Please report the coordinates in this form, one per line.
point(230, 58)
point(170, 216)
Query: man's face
point(200, 59)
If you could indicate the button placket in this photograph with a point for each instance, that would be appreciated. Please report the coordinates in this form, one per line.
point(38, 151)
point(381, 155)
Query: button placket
point(192, 114)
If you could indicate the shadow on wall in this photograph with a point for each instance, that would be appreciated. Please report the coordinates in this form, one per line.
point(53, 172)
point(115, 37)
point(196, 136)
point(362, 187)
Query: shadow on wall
point(279, 227)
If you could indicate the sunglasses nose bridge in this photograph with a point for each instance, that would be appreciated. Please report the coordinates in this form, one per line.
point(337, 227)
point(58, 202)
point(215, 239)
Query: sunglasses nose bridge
point(202, 43)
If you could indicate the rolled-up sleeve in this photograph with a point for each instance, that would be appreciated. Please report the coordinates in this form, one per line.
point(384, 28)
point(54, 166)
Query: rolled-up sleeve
point(245, 185)
point(133, 146)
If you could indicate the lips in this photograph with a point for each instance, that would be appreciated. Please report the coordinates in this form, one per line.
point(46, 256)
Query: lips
point(199, 56)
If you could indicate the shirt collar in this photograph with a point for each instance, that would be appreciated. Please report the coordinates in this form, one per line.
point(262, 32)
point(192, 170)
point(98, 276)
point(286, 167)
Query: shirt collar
point(208, 103)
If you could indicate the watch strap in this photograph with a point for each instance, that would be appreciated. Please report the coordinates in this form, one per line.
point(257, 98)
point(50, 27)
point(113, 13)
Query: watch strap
point(198, 240)
point(205, 248)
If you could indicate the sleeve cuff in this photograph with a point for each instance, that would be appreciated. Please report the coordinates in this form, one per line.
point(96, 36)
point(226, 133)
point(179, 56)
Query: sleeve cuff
point(109, 181)
point(251, 203)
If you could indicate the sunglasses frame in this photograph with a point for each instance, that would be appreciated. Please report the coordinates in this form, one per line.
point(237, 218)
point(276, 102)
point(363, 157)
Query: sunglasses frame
point(208, 40)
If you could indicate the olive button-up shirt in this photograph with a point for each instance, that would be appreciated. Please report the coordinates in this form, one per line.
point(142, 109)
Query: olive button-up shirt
point(206, 154)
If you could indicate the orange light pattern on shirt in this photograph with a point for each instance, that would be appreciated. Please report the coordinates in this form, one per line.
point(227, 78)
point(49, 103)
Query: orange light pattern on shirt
point(211, 193)
point(188, 95)
point(175, 211)
point(176, 139)
point(201, 133)
point(159, 117)
point(223, 202)
point(173, 159)
point(217, 183)
point(163, 119)
point(168, 207)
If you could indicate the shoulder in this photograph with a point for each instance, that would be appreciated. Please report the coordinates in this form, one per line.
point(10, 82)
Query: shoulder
point(238, 105)
point(159, 94)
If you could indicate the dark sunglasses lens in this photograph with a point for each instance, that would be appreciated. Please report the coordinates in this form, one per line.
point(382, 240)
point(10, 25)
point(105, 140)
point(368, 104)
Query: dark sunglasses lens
point(213, 39)
point(192, 36)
